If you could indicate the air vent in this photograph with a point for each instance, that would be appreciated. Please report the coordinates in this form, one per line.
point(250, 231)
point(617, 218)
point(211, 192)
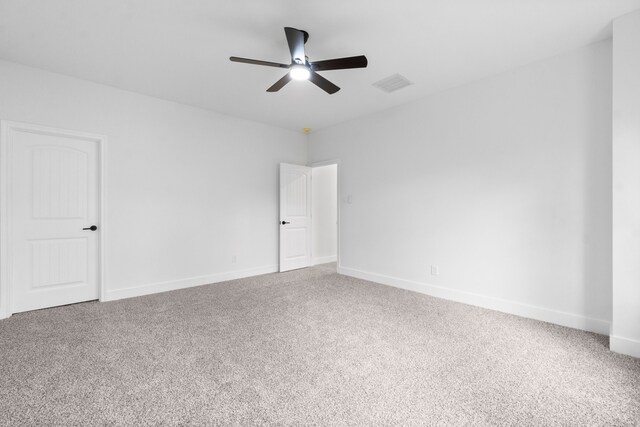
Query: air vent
point(392, 83)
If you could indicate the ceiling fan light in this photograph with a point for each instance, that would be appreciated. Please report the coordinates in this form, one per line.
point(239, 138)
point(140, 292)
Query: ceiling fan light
point(299, 72)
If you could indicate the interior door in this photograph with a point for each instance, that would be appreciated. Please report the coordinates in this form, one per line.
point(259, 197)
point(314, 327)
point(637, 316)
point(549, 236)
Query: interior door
point(53, 218)
point(295, 216)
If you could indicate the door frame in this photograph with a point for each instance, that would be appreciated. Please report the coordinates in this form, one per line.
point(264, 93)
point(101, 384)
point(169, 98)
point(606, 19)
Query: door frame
point(339, 171)
point(6, 307)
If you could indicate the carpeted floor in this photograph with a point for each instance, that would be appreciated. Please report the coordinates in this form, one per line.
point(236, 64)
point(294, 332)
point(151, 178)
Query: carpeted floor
point(305, 347)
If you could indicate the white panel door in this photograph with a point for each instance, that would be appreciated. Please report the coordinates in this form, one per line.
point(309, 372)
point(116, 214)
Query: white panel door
point(53, 199)
point(295, 217)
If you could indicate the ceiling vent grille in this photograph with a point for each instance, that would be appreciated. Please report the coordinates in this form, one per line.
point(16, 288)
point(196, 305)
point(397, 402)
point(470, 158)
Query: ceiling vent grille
point(392, 83)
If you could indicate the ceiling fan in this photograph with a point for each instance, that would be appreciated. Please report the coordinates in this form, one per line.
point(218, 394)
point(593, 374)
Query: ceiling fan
point(300, 67)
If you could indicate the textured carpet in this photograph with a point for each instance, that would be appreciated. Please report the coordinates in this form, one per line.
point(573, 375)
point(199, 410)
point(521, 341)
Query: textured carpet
point(305, 347)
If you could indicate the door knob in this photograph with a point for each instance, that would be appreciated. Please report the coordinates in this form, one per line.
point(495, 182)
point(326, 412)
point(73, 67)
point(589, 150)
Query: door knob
point(92, 228)
point(285, 222)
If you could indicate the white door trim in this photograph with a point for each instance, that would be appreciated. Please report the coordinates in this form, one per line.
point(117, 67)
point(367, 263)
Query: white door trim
point(327, 163)
point(6, 308)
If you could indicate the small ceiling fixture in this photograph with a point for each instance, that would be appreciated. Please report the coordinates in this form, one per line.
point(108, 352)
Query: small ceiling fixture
point(392, 83)
point(300, 67)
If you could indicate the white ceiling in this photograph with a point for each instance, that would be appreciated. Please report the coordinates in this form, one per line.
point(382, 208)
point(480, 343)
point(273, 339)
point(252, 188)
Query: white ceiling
point(179, 49)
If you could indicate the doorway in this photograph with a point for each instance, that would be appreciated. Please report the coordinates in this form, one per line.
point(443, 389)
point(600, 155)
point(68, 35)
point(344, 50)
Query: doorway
point(309, 223)
point(324, 213)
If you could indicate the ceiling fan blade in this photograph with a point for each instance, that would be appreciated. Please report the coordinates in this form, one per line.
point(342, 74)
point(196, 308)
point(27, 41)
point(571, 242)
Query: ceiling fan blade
point(323, 83)
point(280, 83)
point(340, 63)
point(257, 62)
point(295, 39)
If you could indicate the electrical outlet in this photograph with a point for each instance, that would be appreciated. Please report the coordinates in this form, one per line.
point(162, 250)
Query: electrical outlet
point(435, 270)
point(233, 259)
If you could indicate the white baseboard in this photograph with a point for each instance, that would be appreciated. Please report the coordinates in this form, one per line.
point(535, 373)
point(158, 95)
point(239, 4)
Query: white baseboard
point(624, 346)
point(172, 285)
point(4, 314)
point(324, 259)
point(538, 313)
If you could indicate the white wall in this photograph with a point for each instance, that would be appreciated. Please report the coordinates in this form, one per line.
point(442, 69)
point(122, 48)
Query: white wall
point(626, 185)
point(324, 216)
point(187, 188)
point(504, 184)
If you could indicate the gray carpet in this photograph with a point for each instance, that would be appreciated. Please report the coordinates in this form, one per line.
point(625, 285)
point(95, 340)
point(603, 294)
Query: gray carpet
point(305, 347)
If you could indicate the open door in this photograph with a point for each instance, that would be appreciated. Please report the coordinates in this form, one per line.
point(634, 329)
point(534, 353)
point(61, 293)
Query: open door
point(295, 217)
